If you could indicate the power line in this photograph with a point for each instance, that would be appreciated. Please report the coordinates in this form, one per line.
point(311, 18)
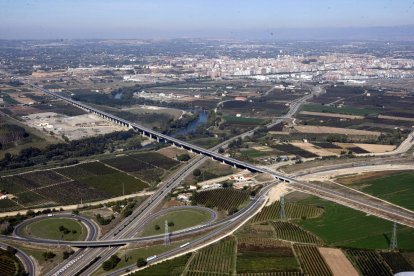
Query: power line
point(282, 213)
point(393, 243)
point(166, 235)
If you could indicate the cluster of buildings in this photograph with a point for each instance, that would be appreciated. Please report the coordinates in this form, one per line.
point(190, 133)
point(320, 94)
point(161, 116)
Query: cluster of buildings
point(327, 67)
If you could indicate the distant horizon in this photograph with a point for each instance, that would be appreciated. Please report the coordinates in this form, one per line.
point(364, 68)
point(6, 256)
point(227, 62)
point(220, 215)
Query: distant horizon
point(127, 19)
point(374, 33)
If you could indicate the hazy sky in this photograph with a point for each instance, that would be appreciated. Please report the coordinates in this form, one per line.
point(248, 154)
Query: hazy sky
point(169, 18)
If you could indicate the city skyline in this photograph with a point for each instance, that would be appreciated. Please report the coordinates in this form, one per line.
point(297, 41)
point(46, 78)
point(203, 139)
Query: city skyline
point(213, 19)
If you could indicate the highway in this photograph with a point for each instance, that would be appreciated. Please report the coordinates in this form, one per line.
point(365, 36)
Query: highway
point(151, 202)
point(124, 231)
point(28, 263)
point(185, 145)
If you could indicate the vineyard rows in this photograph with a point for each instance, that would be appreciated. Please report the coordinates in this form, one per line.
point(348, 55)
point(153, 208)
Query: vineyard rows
point(370, 263)
point(8, 266)
point(127, 164)
point(216, 259)
point(156, 159)
point(281, 273)
point(311, 260)
point(292, 210)
point(396, 262)
point(291, 232)
point(223, 199)
point(72, 192)
point(25, 182)
point(259, 242)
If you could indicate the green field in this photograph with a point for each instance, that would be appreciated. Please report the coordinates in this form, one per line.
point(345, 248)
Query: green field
point(255, 153)
point(49, 229)
point(397, 188)
point(181, 218)
point(256, 261)
point(343, 226)
point(340, 110)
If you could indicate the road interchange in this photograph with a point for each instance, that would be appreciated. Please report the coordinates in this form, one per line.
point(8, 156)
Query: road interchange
point(123, 234)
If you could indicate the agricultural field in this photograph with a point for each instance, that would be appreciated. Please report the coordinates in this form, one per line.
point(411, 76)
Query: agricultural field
point(292, 150)
point(73, 192)
point(311, 260)
point(265, 258)
point(284, 273)
point(254, 109)
point(338, 262)
point(369, 263)
point(396, 188)
point(96, 175)
point(396, 262)
point(222, 199)
point(181, 218)
point(215, 259)
point(257, 231)
point(366, 109)
point(81, 183)
point(150, 167)
point(30, 181)
point(211, 169)
point(156, 159)
point(8, 205)
point(49, 229)
point(10, 265)
point(292, 211)
point(356, 112)
point(343, 226)
point(291, 232)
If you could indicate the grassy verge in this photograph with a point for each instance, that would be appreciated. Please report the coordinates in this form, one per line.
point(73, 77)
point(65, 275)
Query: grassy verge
point(182, 219)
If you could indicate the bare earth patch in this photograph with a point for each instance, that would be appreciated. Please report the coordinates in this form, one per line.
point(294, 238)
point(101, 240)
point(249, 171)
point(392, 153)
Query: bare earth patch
point(172, 152)
point(334, 115)
point(276, 192)
point(311, 148)
point(396, 118)
point(376, 148)
point(337, 130)
point(337, 262)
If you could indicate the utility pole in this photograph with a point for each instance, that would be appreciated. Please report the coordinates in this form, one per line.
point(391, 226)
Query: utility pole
point(166, 235)
point(282, 213)
point(393, 243)
point(123, 188)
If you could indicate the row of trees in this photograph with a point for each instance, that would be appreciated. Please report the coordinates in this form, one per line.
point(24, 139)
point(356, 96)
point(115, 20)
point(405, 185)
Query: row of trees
point(66, 151)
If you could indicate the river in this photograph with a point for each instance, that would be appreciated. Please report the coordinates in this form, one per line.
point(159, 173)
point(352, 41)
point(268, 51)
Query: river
point(193, 125)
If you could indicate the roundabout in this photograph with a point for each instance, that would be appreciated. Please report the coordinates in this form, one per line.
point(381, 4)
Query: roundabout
point(58, 227)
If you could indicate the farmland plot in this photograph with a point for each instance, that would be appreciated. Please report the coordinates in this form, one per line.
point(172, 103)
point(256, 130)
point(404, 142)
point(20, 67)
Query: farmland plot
point(291, 232)
point(369, 263)
point(292, 210)
point(223, 199)
point(217, 259)
point(311, 260)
